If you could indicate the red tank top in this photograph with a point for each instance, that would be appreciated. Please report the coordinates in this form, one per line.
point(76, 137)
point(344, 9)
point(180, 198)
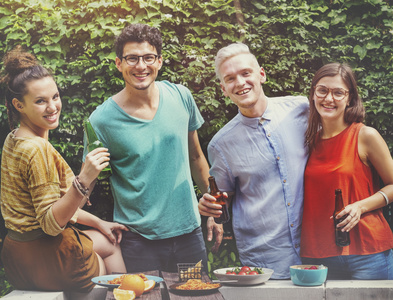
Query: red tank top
point(335, 163)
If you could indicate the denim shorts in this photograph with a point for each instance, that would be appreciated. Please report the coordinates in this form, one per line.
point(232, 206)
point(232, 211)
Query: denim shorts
point(378, 266)
point(141, 254)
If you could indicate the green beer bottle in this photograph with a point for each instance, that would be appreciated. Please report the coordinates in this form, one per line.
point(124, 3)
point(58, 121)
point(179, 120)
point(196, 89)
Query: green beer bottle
point(92, 143)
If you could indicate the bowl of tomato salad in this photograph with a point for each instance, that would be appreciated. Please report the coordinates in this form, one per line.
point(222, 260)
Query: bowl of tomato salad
point(243, 275)
point(308, 275)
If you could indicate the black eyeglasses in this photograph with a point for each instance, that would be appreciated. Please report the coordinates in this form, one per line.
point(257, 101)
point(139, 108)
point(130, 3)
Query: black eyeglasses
point(338, 94)
point(133, 60)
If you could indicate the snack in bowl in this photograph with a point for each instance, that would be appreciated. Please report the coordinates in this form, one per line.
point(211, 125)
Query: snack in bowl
point(308, 275)
point(197, 284)
point(243, 275)
point(189, 271)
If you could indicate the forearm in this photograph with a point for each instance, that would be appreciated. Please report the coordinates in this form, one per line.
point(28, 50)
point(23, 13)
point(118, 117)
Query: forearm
point(200, 173)
point(377, 200)
point(88, 219)
point(198, 163)
point(64, 208)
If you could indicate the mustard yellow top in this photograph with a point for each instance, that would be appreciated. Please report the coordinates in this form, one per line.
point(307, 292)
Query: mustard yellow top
point(33, 176)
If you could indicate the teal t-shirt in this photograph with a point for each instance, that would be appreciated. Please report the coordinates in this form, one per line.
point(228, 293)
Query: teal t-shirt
point(151, 182)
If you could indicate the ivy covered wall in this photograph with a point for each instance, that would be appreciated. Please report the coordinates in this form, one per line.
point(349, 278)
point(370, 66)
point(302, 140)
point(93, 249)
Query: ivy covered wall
point(291, 39)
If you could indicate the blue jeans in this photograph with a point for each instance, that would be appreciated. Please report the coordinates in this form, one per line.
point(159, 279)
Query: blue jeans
point(377, 266)
point(141, 254)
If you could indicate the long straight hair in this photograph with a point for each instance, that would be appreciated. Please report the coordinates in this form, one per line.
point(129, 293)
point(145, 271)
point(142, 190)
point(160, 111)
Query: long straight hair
point(354, 112)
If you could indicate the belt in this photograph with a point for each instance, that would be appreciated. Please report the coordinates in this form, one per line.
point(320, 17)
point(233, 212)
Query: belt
point(26, 236)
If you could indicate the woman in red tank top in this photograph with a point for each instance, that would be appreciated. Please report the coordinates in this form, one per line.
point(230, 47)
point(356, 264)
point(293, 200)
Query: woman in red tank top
point(345, 154)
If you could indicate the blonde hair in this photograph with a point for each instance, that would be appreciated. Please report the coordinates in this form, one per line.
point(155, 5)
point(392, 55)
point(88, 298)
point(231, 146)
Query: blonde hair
point(229, 51)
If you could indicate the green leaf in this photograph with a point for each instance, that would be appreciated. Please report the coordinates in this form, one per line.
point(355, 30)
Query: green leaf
point(361, 51)
point(223, 253)
point(233, 256)
point(210, 257)
point(4, 22)
point(19, 10)
point(373, 45)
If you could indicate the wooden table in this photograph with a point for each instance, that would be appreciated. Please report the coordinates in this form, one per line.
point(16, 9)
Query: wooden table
point(158, 293)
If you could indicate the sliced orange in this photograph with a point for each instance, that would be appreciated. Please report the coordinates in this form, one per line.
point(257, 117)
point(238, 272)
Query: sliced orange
point(134, 283)
point(120, 294)
point(149, 285)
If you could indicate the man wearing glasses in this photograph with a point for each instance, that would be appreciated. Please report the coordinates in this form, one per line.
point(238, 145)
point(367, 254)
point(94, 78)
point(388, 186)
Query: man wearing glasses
point(150, 129)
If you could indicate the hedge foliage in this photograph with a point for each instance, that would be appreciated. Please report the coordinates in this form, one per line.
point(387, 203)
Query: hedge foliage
point(291, 38)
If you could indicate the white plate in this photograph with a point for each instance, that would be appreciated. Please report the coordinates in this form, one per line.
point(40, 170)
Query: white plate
point(244, 279)
point(103, 280)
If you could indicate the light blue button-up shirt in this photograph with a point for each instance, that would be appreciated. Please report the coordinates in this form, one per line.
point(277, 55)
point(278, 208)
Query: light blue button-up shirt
point(262, 161)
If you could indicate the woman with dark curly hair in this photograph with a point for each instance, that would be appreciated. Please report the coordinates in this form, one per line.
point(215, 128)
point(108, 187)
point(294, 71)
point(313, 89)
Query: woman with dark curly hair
point(41, 197)
point(345, 154)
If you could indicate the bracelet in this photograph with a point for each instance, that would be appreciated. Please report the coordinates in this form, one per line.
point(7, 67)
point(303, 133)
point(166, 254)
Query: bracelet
point(84, 191)
point(385, 196)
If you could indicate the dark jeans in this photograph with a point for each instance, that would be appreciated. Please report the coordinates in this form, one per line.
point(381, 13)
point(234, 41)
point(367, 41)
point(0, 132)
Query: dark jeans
point(141, 254)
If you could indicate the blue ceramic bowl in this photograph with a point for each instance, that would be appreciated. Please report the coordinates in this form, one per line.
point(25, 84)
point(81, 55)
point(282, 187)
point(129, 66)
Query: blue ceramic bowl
point(306, 277)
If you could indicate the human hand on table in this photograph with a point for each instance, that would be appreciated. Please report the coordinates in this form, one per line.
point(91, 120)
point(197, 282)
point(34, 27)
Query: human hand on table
point(354, 212)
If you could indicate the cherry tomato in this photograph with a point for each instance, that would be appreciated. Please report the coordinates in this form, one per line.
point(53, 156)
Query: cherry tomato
point(242, 273)
point(231, 273)
point(245, 269)
point(253, 273)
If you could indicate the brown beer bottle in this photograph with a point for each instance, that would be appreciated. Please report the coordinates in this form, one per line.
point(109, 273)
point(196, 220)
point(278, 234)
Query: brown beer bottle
point(216, 193)
point(342, 238)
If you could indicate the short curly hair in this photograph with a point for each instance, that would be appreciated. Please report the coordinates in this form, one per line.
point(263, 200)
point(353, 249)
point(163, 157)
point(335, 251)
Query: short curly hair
point(138, 33)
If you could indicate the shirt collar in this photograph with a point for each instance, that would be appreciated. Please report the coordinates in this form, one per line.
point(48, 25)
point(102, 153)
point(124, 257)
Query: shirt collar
point(254, 122)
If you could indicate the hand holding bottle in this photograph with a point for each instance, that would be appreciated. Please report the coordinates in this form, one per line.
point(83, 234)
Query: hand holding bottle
point(214, 204)
point(96, 161)
point(93, 143)
point(219, 199)
point(208, 207)
point(351, 213)
point(342, 237)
